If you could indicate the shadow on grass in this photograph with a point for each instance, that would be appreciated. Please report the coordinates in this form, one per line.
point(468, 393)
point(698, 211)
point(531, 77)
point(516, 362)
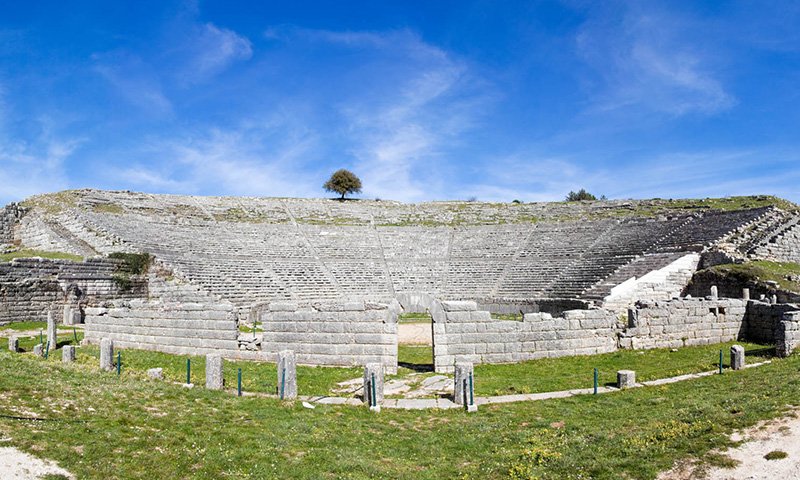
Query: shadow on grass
point(416, 367)
point(766, 352)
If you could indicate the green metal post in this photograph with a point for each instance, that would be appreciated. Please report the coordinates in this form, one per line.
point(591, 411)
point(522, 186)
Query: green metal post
point(239, 383)
point(374, 402)
point(188, 371)
point(47, 350)
point(75, 334)
point(283, 381)
point(119, 363)
point(464, 392)
point(41, 337)
point(720, 362)
point(471, 390)
point(595, 381)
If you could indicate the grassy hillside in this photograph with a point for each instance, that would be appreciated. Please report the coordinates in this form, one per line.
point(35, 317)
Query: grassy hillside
point(785, 274)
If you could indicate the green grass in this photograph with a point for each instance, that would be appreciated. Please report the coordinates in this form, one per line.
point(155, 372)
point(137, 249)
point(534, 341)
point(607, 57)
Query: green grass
point(516, 317)
point(417, 355)
point(567, 373)
point(776, 455)
point(249, 329)
point(25, 253)
point(100, 426)
point(23, 326)
point(414, 317)
point(763, 271)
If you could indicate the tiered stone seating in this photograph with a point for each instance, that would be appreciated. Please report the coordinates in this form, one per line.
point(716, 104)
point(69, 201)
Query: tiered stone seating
point(253, 250)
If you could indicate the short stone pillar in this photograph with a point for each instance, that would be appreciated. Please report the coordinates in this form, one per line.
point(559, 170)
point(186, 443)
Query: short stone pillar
point(773, 299)
point(72, 314)
point(52, 332)
point(106, 354)
point(38, 350)
point(68, 354)
point(737, 357)
point(13, 344)
point(787, 335)
point(287, 375)
point(746, 294)
point(714, 292)
point(373, 386)
point(626, 378)
point(464, 386)
point(214, 378)
point(155, 373)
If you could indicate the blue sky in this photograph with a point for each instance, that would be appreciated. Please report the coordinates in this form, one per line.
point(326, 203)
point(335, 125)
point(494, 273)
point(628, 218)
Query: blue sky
point(423, 100)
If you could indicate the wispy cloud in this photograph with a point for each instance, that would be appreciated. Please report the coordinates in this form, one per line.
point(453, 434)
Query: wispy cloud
point(205, 50)
point(650, 59)
point(134, 80)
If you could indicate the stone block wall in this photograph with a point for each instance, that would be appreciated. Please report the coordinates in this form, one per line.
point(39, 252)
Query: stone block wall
point(177, 328)
point(30, 287)
point(763, 320)
point(462, 333)
point(684, 322)
point(784, 248)
point(8, 218)
point(341, 334)
point(787, 334)
point(730, 286)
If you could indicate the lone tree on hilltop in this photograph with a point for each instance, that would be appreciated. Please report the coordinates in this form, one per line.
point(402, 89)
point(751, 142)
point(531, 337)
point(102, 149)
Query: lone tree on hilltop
point(581, 194)
point(343, 182)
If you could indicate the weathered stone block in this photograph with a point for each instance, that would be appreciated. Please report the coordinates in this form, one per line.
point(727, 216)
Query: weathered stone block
point(155, 373)
point(737, 357)
point(287, 374)
point(626, 378)
point(68, 354)
point(13, 344)
point(38, 350)
point(106, 354)
point(214, 377)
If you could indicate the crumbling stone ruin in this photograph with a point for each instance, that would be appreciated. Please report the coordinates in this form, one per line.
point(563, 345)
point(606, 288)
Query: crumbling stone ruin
point(327, 279)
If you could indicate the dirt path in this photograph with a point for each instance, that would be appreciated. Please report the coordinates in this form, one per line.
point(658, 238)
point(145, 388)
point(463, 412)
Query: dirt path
point(18, 465)
point(781, 435)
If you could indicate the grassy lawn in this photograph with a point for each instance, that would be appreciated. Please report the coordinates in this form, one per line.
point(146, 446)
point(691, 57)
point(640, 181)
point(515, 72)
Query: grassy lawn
point(566, 373)
point(100, 426)
point(23, 326)
point(414, 318)
point(25, 253)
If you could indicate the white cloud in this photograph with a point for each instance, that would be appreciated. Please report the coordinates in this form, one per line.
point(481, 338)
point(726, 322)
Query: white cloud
point(134, 80)
point(652, 60)
point(209, 50)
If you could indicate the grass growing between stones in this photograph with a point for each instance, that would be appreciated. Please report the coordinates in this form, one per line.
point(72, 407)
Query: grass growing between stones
point(414, 317)
point(566, 373)
point(100, 426)
point(785, 274)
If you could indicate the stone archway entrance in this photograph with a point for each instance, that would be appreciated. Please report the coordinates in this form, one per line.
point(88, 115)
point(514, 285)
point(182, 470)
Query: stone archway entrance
point(415, 349)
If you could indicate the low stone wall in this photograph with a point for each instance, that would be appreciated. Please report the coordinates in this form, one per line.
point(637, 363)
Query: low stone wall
point(462, 333)
point(177, 328)
point(341, 334)
point(731, 286)
point(763, 320)
point(30, 287)
point(787, 334)
point(553, 306)
point(684, 322)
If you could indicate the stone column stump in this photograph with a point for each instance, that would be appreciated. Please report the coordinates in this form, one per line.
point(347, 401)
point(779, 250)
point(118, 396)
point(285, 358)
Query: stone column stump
point(13, 344)
point(52, 332)
point(106, 354)
point(464, 386)
point(287, 375)
point(626, 379)
point(373, 386)
point(214, 378)
point(737, 357)
point(38, 350)
point(155, 373)
point(68, 354)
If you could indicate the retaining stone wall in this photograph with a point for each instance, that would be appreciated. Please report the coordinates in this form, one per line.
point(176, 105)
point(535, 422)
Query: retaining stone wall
point(784, 248)
point(763, 320)
point(30, 287)
point(8, 218)
point(684, 322)
point(462, 333)
point(788, 334)
point(341, 334)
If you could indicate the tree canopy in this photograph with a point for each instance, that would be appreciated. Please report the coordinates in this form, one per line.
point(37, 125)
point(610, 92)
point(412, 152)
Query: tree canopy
point(343, 182)
point(581, 194)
